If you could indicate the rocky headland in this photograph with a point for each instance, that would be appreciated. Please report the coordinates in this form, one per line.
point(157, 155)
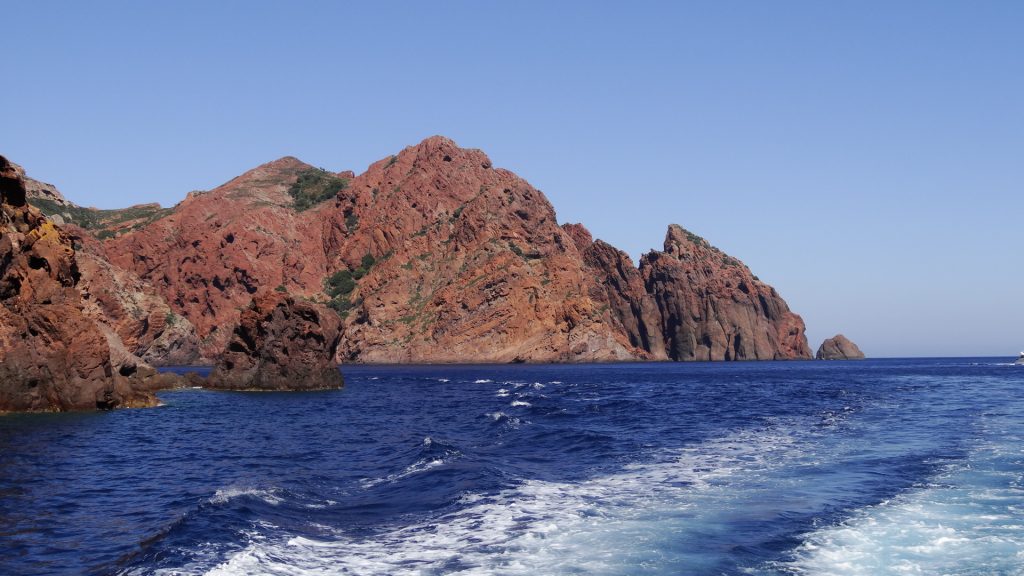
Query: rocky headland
point(839, 347)
point(431, 255)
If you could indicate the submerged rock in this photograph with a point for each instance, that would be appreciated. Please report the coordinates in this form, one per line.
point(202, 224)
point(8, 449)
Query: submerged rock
point(281, 343)
point(839, 347)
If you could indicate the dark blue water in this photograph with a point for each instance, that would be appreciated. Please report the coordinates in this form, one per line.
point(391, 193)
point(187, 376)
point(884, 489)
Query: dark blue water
point(874, 467)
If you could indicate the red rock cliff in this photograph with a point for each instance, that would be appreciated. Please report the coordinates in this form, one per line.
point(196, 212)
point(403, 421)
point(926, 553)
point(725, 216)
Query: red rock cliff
point(52, 356)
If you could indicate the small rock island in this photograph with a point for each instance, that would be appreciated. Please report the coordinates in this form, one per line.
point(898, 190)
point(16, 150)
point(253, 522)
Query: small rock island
point(839, 347)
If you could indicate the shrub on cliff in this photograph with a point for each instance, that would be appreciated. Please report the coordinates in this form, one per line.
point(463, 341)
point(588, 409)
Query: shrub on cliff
point(315, 186)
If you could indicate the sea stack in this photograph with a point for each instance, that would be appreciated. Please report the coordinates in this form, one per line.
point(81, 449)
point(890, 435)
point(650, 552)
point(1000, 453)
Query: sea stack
point(281, 343)
point(839, 347)
point(53, 357)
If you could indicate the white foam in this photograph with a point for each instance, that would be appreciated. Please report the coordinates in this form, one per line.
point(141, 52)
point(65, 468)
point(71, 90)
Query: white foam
point(482, 381)
point(502, 393)
point(415, 468)
point(520, 403)
point(225, 495)
point(609, 524)
point(969, 521)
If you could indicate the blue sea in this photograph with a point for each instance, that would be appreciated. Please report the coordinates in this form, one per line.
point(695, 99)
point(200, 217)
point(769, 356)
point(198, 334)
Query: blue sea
point(779, 468)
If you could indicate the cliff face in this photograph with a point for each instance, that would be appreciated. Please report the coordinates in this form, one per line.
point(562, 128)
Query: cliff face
point(713, 308)
point(217, 250)
point(431, 255)
point(131, 307)
point(52, 355)
point(839, 347)
point(469, 264)
point(694, 302)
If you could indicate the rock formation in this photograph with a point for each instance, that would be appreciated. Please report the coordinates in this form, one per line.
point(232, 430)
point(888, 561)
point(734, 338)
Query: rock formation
point(219, 249)
point(132, 308)
point(53, 357)
point(460, 261)
point(694, 302)
point(839, 347)
point(431, 255)
point(281, 343)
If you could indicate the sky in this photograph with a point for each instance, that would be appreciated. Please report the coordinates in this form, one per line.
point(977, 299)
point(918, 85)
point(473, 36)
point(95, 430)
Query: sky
point(865, 158)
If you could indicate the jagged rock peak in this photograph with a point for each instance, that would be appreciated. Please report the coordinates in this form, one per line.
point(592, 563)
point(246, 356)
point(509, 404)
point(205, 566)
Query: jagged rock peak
point(680, 241)
point(579, 234)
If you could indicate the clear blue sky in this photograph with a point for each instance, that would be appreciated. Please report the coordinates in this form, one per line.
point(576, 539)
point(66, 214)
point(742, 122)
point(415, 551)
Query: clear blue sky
point(865, 158)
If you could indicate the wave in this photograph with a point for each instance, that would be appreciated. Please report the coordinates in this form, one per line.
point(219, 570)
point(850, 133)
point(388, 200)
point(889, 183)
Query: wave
point(224, 495)
point(607, 524)
point(968, 520)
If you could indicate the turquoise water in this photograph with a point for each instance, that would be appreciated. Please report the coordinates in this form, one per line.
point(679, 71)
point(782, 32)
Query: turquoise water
point(846, 468)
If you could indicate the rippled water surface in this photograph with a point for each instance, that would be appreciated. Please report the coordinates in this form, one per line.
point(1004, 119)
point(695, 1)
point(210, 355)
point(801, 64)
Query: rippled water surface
point(868, 468)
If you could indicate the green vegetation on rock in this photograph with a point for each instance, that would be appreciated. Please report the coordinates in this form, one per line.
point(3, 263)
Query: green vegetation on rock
point(106, 223)
point(315, 186)
point(339, 286)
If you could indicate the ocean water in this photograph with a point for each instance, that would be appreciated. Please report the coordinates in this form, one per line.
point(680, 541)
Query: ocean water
point(840, 468)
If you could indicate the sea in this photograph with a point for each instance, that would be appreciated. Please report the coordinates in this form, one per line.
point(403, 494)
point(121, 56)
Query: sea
point(875, 467)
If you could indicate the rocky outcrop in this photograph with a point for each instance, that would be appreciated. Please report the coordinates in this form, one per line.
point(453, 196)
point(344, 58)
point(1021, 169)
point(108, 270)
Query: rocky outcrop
point(694, 302)
point(281, 343)
point(618, 284)
point(711, 307)
point(36, 190)
point(839, 347)
point(53, 357)
point(467, 263)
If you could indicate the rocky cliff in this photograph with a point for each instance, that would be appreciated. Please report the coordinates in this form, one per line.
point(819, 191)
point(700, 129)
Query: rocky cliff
point(839, 347)
point(431, 255)
point(691, 301)
point(53, 357)
point(217, 250)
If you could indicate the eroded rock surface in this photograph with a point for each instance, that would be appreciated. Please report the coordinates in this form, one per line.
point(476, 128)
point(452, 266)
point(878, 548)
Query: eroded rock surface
point(839, 347)
point(281, 343)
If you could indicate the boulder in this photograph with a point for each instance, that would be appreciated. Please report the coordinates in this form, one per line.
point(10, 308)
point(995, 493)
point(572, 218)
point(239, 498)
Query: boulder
point(839, 347)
